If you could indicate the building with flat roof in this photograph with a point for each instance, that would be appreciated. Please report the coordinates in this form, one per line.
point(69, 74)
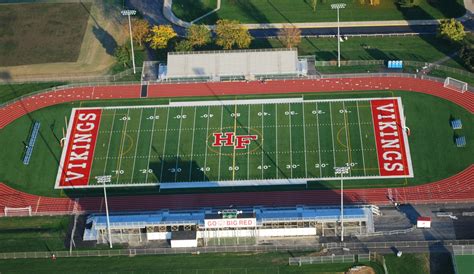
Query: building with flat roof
point(210, 226)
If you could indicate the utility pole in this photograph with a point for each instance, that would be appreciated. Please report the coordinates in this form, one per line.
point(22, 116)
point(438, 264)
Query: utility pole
point(342, 171)
point(106, 179)
point(338, 7)
point(129, 13)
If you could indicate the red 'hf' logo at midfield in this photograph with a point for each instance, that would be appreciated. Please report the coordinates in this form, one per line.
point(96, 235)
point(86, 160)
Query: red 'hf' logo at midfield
point(229, 139)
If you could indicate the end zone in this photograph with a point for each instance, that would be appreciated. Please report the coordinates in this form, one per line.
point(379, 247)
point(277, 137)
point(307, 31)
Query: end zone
point(78, 152)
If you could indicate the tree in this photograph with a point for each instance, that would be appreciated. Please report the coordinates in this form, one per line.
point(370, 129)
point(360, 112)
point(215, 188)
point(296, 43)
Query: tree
point(183, 45)
point(198, 35)
point(467, 55)
point(230, 33)
point(451, 29)
point(140, 30)
point(409, 3)
point(290, 36)
point(160, 36)
point(122, 54)
point(314, 3)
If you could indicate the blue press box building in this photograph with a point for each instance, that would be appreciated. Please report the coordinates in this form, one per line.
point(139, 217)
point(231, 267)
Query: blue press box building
point(201, 227)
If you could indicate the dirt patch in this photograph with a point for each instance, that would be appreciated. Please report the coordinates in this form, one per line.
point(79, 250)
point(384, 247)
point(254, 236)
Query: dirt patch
point(361, 270)
point(40, 33)
point(103, 31)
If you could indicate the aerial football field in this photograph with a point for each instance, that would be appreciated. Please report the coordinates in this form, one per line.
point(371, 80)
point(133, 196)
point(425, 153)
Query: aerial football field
point(235, 143)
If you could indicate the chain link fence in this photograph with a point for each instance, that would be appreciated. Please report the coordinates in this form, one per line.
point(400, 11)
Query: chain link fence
point(227, 249)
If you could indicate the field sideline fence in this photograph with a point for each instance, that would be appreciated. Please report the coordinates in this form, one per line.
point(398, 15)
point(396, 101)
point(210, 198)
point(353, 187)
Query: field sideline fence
point(227, 249)
point(463, 250)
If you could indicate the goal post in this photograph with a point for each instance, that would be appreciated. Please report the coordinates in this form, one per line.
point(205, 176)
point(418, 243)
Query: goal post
point(455, 84)
point(17, 211)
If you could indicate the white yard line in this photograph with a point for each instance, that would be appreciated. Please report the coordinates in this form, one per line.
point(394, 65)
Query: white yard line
point(291, 146)
point(122, 145)
point(304, 142)
point(136, 146)
point(164, 145)
point(177, 149)
point(192, 147)
point(220, 148)
point(207, 140)
point(151, 142)
point(360, 135)
point(319, 142)
point(346, 125)
point(276, 140)
point(375, 138)
point(248, 147)
point(332, 135)
point(261, 141)
point(110, 138)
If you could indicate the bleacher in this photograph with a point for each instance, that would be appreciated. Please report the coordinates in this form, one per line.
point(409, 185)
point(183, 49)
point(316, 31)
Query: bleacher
point(461, 141)
point(31, 143)
point(456, 124)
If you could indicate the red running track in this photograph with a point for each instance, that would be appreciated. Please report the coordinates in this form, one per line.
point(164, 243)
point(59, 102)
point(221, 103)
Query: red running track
point(458, 188)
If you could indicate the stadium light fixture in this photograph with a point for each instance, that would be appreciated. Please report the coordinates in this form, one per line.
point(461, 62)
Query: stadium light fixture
point(130, 13)
point(104, 180)
point(337, 7)
point(342, 171)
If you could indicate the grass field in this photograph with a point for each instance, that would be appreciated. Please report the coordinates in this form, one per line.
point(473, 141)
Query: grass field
point(464, 264)
point(430, 132)
point(221, 263)
point(33, 233)
point(41, 33)
point(295, 140)
point(420, 263)
point(282, 11)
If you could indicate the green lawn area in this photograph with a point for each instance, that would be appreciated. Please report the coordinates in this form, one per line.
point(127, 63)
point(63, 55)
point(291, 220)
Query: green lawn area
point(236, 263)
point(189, 10)
point(431, 135)
point(283, 11)
point(422, 263)
point(464, 264)
point(33, 233)
point(34, 33)
point(11, 91)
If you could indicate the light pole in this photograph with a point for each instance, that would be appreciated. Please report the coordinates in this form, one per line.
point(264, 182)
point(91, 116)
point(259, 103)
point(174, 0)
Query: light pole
point(128, 13)
point(103, 180)
point(342, 171)
point(338, 7)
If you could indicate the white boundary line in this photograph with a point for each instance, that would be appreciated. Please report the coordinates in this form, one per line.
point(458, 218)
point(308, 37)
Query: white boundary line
point(151, 143)
point(121, 146)
point(207, 141)
point(361, 140)
point(276, 141)
point(305, 147)
point(177, 149)
point(262, 141)
point(220, 147)
point(136, 147)
point(110, 138)
point(235, 183)
point(291, 145)
point(248, 147)
point(164, 145)
point(192, 147)
point(346, 125)
point(319, 142)
point(332, 136)
point(64, 152)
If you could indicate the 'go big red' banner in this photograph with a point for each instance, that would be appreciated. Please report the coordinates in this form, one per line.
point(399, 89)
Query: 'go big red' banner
point(237, 222)
point(76, 161)
point(389, 138)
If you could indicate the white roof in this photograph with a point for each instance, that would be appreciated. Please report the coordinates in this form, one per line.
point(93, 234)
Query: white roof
point(232, 63)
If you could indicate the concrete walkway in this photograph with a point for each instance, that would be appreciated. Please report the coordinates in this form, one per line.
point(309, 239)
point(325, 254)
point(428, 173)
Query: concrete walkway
point(469, 4)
